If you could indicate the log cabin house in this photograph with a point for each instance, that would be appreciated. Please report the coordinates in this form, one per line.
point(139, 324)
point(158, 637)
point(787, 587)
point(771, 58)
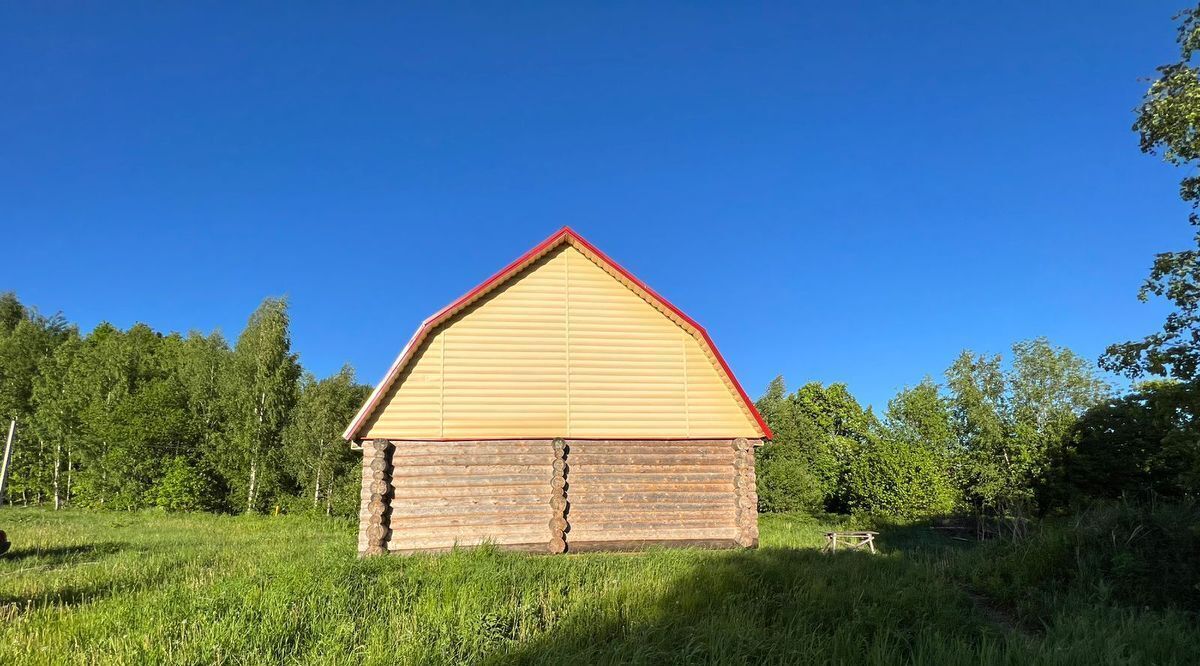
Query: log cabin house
point(561, 405)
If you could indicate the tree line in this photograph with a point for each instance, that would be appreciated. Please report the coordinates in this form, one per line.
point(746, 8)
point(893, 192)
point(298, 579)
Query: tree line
point(128, 419)
point(1036, 432)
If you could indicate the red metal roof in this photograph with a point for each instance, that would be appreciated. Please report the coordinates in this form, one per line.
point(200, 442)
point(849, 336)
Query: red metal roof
point(564, 235)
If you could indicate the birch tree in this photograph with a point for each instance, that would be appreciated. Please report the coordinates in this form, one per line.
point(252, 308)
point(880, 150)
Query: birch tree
point(321, 459)
point(262, 385)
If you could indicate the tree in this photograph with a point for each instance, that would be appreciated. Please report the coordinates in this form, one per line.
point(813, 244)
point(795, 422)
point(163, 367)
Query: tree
point(1168, 122)
point(907, 472)
point(1011, 424)
point(820, 431)
point(27, 339)
point(1145, 442)
point(320, 458)
point(900, 479)
point(261, 387)
point(56, 413)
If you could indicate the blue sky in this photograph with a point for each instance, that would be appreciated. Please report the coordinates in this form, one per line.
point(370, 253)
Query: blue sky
point(850, 193)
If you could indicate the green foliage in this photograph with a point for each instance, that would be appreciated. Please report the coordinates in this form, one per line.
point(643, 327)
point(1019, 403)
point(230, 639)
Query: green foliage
point(897, 479)
point(786, 481)
point(1011, 424)
point(261, 389)
point(317, 454)
point(183, 487)
point(129, 419)
point(988, 441)
point(1144, 443)
point(823, 428)
point(1168, 123)
point(909, 472)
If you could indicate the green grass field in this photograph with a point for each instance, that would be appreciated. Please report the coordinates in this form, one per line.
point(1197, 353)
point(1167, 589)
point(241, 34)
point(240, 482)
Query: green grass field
point(108, 588)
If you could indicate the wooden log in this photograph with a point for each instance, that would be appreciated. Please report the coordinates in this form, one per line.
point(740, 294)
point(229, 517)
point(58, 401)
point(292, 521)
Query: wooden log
point(720, 468)
point(581, 475)
point(594, 545)
point(471, 480)
point(376, 533)
point(448, 541)
point(536, 529)
point(467, 459)
point(377, 506)
point(474, 520)
point(625, 444)
point(652, 458)
point(453, 493)
point(465, 471)
point(524, 500)
point(464, 448)
point(584, 487)
point(685, 497)
point(513, 547)
point(616, 526)
point(558, 496)
point(473, 514)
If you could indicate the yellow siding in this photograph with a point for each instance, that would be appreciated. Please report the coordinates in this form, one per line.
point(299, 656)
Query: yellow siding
point(562, 349)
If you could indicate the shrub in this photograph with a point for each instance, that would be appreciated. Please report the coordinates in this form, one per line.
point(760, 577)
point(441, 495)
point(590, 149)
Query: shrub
point(183, 487)
point(898, 480)
point(785, 483)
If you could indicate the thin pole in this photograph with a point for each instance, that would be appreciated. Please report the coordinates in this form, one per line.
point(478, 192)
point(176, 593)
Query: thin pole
point(12, 427)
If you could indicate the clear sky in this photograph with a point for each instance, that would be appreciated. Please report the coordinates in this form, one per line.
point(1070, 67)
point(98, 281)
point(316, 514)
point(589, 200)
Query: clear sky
point(838, 194)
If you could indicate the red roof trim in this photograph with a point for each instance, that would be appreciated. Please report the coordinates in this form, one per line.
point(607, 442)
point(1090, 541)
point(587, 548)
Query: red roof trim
point(540, 249)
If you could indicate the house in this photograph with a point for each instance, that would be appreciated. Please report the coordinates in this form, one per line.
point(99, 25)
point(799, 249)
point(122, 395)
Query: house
point(561, 405)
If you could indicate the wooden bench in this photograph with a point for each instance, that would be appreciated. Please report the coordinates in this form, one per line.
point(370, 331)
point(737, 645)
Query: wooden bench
point(852, 540)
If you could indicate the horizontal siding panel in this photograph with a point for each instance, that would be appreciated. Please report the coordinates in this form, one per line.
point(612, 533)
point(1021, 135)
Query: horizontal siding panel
point(562, 349)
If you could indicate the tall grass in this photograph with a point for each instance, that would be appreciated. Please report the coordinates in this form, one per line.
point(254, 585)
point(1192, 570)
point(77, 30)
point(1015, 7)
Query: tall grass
point(109, 588)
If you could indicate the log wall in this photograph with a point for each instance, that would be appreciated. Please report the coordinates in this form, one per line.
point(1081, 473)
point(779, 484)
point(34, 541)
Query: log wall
point(628, 493)
point(556, 495)
point(364, 502)
point(468, 493)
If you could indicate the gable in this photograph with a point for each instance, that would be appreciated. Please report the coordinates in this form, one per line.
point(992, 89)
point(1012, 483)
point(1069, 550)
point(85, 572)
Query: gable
point(560, 346)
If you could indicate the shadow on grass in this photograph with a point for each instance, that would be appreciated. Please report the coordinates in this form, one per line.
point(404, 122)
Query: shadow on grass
point(50, 589)
point(54, 555)
point(770, 605)
point(924, 537)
